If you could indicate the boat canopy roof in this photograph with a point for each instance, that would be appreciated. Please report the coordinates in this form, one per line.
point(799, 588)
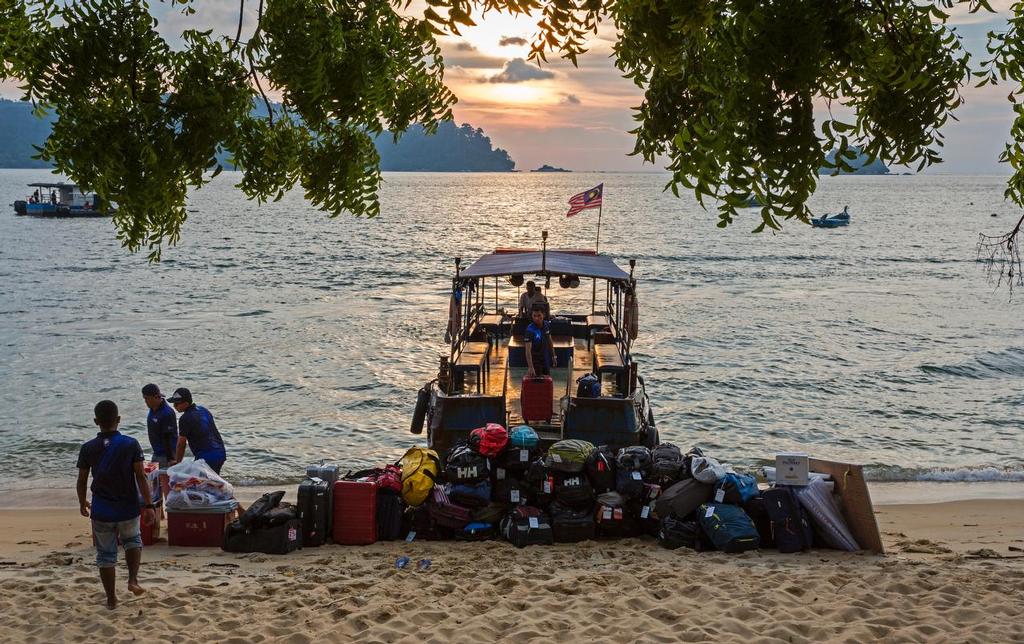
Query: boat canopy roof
point(53, 185)
point(504, 262)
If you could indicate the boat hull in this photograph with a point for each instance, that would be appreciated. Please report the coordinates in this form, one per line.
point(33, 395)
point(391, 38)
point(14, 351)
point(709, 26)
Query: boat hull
point(24, 209)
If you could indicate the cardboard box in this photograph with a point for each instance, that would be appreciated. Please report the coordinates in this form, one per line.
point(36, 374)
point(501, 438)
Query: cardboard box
point(791, 468)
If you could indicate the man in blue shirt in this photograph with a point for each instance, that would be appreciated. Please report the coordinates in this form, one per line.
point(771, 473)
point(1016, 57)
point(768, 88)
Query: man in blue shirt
point(115, 461)
point(197, 428)
point(540, 348)
point(162, 424)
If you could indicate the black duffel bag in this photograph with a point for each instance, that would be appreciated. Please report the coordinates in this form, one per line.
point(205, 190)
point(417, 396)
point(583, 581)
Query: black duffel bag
point(278, 534)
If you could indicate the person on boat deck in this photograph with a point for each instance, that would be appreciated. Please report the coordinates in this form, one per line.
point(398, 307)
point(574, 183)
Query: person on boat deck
point(527, 299)
point(53, 198)
point(35, 196)
point(115, 462)
point(540, 349)
point(197, 427)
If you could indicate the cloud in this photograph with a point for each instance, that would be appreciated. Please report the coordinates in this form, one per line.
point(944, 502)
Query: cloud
point(571, 99)
point(518, 70)
point(464, 46)
point(512, 40)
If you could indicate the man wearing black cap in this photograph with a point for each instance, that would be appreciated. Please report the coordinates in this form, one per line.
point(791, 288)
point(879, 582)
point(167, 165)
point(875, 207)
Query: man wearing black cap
point(197, 428)
point(162, 424)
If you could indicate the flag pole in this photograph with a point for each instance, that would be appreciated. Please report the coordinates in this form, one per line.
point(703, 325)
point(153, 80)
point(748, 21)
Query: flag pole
point(597, 250)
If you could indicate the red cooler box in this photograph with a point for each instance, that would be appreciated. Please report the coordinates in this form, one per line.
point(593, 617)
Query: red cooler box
point(537, 397)
point(355, 513)
point(196, 529)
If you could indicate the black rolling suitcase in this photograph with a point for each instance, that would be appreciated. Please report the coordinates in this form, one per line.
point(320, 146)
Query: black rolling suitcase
point(390, 510)
point(313, 504)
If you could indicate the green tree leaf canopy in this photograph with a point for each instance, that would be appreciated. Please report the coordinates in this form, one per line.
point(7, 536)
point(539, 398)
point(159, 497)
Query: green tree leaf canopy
point(729, 88)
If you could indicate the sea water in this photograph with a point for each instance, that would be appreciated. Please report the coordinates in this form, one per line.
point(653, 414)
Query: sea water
point(307, 337)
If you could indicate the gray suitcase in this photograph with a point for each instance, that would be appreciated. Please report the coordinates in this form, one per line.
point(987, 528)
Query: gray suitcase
point(331, 474)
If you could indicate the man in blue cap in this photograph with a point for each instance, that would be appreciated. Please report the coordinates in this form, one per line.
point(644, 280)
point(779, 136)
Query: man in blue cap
point(162, 424)
point(197, 428)
point(118, 479)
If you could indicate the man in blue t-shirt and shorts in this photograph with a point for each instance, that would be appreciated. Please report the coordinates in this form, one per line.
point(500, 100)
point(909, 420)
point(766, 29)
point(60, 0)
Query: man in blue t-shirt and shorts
point(115, 461)
point(197, 428)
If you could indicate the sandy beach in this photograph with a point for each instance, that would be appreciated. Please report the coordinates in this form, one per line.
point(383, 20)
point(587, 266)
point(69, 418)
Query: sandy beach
point(954, 571)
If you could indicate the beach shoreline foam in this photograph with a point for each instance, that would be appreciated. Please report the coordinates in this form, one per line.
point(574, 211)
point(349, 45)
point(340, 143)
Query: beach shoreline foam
point(951, 572)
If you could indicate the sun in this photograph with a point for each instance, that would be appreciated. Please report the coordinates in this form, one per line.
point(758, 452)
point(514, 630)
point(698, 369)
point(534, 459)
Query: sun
point(492, 26)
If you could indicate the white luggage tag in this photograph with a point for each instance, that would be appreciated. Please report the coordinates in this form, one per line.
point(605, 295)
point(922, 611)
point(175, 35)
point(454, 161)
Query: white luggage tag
point(412, 535)
point(499, 473)
point(555, 458)
point(646, 512)
point(514, 495)
point(711, 511)
point(547, 486)
point(637, 476)
point(534, 523)
point(607, 512)
point(720, 495)
point(524, 455)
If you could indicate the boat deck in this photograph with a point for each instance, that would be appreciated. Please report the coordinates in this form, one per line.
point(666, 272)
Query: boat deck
point(564, 378)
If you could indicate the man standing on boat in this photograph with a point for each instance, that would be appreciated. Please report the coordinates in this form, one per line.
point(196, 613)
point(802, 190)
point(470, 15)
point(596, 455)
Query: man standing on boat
point(197, 428)
point(540, 348)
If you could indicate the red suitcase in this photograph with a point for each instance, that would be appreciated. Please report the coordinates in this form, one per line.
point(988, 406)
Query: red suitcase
point(355, 513)
point(538, 394)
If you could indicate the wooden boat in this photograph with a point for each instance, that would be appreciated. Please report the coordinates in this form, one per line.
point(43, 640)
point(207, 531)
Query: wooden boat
point(480, 380)
point(60, 200)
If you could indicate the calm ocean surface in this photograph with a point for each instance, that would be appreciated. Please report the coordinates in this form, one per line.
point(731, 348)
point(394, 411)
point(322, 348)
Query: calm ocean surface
point(308, 337)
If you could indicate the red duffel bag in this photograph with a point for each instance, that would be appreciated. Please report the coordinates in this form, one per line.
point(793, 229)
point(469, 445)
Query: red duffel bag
point(387, 478)
point(488, 441)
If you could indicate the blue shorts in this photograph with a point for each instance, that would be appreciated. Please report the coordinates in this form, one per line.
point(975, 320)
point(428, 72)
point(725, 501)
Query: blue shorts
point(105, 534)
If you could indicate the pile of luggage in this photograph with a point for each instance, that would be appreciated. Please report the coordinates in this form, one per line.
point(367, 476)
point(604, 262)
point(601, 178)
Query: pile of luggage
point(499, 484)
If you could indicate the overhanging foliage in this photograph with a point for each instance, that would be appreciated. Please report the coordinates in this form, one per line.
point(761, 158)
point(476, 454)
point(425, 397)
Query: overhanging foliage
point(729, 88)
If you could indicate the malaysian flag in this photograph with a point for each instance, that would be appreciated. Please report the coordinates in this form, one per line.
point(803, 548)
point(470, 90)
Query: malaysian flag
point(587, 199)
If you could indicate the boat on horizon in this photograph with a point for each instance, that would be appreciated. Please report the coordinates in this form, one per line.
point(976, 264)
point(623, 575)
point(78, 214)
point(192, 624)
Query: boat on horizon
point(833, 221)
point(481, 378)
point(60, 200)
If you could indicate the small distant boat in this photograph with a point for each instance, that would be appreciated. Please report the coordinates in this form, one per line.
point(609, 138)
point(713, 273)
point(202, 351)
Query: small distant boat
point(60, 200)
point(752, 202)
point(835, 221)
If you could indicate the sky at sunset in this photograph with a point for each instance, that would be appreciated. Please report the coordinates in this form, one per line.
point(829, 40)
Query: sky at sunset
point(578, 118)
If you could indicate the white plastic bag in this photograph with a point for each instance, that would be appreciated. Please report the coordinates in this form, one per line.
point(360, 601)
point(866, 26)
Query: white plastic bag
point(198, 476)
point(707, 470)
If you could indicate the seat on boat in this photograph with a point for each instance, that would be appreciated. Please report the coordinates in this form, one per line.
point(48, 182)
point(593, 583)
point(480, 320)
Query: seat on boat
point(598, 321)
point(475, 358)
point(494, 323)
point(564, 347)
point(607, 359)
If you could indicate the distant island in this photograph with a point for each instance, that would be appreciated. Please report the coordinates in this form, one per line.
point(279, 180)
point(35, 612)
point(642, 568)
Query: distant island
point(550, 168)
point(860, 164)
point(453, 148)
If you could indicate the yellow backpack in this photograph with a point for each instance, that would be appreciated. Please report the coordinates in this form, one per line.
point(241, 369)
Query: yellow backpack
point(419, 471)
